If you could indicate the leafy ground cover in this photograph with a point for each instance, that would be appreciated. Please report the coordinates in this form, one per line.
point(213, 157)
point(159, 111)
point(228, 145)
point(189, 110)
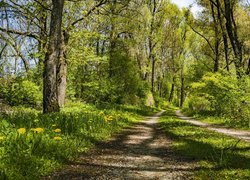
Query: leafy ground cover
point(219, 156)
point(33, 144)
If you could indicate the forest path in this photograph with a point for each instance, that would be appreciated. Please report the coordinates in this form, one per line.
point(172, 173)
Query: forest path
point(139, 152)
point(240, 134)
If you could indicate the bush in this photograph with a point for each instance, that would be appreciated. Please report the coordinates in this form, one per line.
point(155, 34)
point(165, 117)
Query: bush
point(222, 95)
point(21, 92)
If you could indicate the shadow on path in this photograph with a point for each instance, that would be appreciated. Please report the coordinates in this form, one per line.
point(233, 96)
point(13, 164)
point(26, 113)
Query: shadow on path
point(140, 152)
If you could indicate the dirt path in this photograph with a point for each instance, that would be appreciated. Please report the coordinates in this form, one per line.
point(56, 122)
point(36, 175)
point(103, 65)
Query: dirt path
point(140, 152)
point(244, 135)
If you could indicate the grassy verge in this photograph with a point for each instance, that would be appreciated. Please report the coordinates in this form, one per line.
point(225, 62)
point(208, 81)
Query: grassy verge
point(220, 121)
point(33, 144)
point(225, 122)
point(219, 156)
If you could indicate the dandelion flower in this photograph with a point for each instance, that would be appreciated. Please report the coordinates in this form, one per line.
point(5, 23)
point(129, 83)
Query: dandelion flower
point(57, 130)
point(108, 118)
point(38, 130)
point(21, 130)
point(101, 113)
point(57, 138)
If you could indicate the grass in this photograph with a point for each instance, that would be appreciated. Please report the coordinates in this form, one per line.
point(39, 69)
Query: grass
point(33, 144)
point(221, 121)
point(236, 123)
point(219, 156)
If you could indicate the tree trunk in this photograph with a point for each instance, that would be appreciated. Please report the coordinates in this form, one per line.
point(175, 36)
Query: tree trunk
point(52, 57)
point(62, 70)
point(224, 34)
point(217, 40)
point(248, 67)
point(113, 40)
point(153, 75)
point(171, 96)
point(182, 92)
point(233, 37)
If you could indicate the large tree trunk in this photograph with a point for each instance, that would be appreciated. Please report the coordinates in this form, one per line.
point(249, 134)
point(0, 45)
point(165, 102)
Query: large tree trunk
point(52, 57)
point(224, 34)
point(62, 70)
point(233, 36)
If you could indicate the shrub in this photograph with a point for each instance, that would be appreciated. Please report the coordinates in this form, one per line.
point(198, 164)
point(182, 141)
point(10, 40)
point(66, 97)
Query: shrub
point(21, 92)
point(223, 95)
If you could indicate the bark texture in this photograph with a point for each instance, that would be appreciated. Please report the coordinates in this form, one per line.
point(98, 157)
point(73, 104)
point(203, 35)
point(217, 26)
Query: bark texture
point(52, 57)
point(233, 36)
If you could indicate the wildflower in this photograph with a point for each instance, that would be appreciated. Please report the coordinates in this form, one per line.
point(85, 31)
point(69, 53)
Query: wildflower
point(57, 130)
point(21, 130)
point(2, 138)
point(108, 118)
point(38, 130)
point(57, 138)
point(101, 113)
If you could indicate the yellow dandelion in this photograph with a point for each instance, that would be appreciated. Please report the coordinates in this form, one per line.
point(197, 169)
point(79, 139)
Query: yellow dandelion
point(57, 138)
point(57, 130)
point(110, 118)
point(39, 130)
point(106, 118)
point(101, 113)
point(21, 130)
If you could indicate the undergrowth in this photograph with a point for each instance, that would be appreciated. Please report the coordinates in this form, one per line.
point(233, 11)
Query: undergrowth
point(33, 144)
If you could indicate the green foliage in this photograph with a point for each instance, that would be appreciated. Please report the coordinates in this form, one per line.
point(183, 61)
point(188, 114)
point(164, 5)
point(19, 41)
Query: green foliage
point(20, 92)
point(223, 95)
point(33, 144)
point(127, 87)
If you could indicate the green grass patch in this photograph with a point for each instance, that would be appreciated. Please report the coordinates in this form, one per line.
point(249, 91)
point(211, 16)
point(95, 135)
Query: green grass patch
point(211, 118)
point(219, 156)
point(33, 144)
point(222, 121)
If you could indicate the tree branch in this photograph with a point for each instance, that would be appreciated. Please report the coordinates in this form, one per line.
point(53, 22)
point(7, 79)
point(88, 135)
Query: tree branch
point(1, 52)
point(43, 6)
point(12, 31)
point(18, 51)
point(87, 14)
point(209, 44)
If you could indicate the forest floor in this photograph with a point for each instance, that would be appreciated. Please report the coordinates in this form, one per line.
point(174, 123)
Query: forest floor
point(240, 134)
point(139, 152)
